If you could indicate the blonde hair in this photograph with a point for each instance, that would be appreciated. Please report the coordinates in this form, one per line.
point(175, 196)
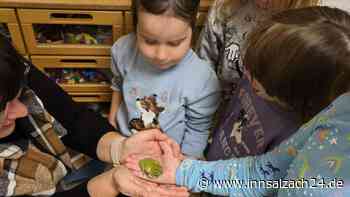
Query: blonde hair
point(229, 6)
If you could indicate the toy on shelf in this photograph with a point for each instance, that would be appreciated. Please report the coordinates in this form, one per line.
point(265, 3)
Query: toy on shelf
point(78, 76)
point(85, 38)
point(73, 34)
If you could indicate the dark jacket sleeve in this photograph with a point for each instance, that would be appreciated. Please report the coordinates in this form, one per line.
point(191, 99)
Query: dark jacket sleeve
point(84, 127)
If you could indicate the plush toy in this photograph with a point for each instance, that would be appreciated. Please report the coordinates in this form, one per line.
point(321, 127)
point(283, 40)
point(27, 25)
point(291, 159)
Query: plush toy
point(86, 38)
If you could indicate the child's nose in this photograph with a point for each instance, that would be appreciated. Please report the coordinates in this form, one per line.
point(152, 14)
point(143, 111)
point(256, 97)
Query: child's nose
point(16, 109)
point(161, 54)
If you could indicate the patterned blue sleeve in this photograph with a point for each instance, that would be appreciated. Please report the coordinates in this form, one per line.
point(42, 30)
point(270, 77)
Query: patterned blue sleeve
point(313, 162)
point(200, 110)
point(238, 177)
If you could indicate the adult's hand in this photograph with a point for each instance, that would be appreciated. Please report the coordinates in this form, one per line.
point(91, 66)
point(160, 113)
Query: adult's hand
point(130, 185)
point(147, 143)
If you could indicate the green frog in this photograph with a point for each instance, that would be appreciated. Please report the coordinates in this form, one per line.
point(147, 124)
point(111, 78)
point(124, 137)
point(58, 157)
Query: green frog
point(151, 168)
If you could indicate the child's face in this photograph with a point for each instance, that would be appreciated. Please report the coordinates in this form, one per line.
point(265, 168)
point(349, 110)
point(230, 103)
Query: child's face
point(14, 109)
point(164, 40)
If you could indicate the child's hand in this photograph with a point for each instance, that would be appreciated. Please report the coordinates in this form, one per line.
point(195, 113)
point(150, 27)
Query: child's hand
point(147, 142)
point(168, 161)
point(130, 185)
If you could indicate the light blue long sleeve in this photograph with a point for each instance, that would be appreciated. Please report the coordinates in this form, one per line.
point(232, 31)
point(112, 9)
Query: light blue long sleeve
point(319, 152)
point(199, 112)
point(186, 95)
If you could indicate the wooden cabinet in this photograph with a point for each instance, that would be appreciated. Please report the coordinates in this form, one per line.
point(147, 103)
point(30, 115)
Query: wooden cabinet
point(73, 36)
point(70, 32)
point(10, 27)
point(91, 88)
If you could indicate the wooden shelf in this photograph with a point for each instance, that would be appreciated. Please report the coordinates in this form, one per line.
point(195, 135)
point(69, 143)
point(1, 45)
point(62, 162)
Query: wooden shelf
point(31, 17)
point(91, 97)
point(23, 16)
point(79, 4)
point(8, 16)
point(87, 87)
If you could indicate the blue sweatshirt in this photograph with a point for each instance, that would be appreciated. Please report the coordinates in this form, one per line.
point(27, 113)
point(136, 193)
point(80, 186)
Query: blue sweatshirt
point(181, 100)
point(317, 155)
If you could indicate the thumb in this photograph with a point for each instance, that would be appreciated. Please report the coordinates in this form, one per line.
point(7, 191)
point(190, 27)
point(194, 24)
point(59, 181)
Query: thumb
point(151, 135)
point(166, 148)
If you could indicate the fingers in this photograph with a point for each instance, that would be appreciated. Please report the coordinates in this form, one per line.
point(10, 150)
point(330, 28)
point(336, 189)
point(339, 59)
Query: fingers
point(132, 163)
point(166, 191)
point(167, 150)
point(151, 135)
point(139, 189)
point(175, 147)
point(152, 148)
point(145, 182)
point(174, 190)
point(130, 184)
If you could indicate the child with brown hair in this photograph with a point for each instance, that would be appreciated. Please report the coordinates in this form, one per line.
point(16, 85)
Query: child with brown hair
point(249, 124)
point(159, 82)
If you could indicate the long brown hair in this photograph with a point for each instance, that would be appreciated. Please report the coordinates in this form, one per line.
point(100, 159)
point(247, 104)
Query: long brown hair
point(302, 57)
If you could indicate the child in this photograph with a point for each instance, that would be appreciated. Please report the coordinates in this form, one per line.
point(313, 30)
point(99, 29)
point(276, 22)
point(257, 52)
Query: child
point(159, 81)
point(299, 59)
point(248, 123)
point(224, 35)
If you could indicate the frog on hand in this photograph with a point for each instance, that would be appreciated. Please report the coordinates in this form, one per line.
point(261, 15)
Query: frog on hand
point(150, 167)
point(158, 169)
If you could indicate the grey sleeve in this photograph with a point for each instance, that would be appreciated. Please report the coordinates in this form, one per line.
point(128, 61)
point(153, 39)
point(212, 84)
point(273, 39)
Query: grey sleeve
point(211, 38)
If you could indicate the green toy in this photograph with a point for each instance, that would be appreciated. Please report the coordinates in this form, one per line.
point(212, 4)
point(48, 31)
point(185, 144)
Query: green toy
point(151, 168)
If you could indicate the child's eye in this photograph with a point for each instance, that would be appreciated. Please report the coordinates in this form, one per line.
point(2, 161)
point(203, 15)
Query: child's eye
point(175, 44)
point(151, 42)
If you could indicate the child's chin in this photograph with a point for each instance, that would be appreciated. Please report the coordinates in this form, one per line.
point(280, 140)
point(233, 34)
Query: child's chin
point(164, 67)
